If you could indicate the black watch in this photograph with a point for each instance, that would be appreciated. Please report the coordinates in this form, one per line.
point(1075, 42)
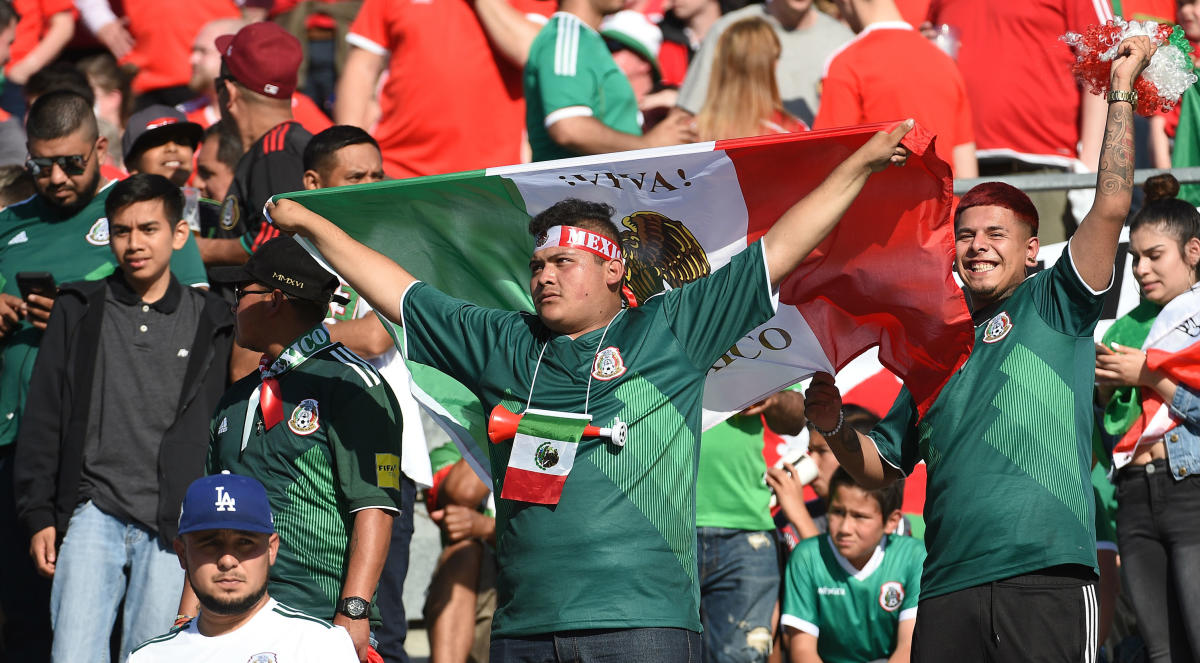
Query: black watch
point(354, 607)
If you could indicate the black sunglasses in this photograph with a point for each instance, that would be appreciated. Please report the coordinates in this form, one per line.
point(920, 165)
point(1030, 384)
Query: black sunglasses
point(71, 164)
point(238, 293)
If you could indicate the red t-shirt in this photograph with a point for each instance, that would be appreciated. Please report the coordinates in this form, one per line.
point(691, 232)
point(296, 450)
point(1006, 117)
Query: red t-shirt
point(35, 14)
point(913, 11)
point(163, 36)
point(1018, 72)
point(304, 110)
point(443, 76)
point(890, 72)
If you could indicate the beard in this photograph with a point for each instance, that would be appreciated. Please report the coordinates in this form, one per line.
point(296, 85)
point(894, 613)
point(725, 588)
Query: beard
point(222, 606)
point(85, 196)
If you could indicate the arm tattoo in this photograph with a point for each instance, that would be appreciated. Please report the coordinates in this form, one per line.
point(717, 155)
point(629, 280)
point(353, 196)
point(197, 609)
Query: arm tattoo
point(1116, 156)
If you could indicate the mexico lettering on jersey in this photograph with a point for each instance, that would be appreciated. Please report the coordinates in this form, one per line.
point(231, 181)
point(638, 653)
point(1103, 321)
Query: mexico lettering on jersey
point(336, 452)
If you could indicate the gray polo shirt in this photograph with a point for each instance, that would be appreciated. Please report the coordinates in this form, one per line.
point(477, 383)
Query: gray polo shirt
point(143, 355)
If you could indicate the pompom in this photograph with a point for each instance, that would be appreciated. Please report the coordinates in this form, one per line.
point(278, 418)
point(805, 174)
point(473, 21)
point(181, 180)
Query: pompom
point(1160, 85)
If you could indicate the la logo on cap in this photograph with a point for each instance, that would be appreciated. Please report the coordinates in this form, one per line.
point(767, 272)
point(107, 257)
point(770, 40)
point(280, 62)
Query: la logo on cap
point(225, 501)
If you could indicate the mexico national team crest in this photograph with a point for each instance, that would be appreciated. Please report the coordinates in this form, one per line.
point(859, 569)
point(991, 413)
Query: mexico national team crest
point(608, 364)
point(229, 213)
point(98, 234)
point(305, 419)
point(891, 596)
point(997, 328)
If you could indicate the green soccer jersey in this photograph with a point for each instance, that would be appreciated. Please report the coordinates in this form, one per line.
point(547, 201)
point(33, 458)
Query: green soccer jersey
point(730, 489)
point(853, 614)
point(571, 73)
point(1008, 443)
point(36, 237)
point(619, 549)
point(337, 451)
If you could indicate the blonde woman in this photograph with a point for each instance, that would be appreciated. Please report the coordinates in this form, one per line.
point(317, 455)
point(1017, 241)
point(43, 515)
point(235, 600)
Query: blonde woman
point(743, 96)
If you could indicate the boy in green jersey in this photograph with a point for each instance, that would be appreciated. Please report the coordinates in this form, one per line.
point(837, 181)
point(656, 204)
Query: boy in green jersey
point(1011, 567)
point(852, 595)
point(609, 571)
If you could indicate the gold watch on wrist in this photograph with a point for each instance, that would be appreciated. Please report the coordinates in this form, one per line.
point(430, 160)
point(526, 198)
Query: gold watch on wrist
point(1123, 95)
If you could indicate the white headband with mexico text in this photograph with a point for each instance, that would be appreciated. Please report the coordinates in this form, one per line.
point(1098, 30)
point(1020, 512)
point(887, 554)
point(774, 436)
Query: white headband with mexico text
point(579, 238)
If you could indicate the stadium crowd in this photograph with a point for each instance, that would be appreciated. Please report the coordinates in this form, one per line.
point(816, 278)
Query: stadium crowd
point(209, 448)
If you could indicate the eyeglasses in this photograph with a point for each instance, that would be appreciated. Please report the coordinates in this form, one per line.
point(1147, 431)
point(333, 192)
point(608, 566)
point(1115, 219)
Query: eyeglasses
point(71, 164)
point(238, 293)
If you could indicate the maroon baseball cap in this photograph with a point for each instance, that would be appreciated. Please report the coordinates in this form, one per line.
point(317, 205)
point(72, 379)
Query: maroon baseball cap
point(263, 57)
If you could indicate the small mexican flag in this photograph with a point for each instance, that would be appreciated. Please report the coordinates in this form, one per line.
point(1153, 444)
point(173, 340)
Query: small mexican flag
point(543, 454)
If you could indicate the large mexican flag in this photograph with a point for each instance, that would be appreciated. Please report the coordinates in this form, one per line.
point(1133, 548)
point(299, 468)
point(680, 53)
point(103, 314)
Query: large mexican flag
point(882, 278)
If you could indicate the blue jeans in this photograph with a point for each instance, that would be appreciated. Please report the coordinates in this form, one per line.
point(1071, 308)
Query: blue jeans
point(739, 586)
point(89, 581)
point(661, 645)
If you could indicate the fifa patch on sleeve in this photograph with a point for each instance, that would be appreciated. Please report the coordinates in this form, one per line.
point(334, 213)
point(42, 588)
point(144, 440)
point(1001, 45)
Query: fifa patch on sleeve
point(387, 471)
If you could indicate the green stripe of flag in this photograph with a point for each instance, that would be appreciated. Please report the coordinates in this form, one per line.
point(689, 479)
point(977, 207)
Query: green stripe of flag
point(560, 427)
point(465, 232)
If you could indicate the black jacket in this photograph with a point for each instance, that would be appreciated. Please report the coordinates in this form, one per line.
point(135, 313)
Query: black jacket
point(49, 454)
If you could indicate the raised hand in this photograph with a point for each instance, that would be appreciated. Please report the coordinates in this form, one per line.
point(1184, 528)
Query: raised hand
point(1133, 56)
point(884, 148)
point(823, 402)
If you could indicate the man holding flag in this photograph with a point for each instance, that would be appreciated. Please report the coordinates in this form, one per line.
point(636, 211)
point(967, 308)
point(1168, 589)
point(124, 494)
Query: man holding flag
point(1011, 567)
point(596, 535)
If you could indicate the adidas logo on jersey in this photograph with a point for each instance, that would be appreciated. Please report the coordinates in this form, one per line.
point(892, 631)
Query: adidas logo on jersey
point(19, 238)
point(831, 591)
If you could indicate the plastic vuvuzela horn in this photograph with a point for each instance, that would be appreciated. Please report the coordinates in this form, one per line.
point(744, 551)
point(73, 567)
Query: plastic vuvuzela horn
point(502, 426)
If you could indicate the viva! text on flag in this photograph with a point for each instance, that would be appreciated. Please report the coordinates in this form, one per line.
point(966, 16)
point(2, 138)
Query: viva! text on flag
point(882, 278)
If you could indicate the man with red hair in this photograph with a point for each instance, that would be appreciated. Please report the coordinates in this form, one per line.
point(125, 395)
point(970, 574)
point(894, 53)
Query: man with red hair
point(1011, 567)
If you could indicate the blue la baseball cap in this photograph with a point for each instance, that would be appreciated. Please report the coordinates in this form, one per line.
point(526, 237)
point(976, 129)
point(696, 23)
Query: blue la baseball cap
point(226, 501)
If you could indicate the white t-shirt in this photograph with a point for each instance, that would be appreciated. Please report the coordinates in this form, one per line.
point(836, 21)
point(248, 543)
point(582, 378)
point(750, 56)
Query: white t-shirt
point(276, 634)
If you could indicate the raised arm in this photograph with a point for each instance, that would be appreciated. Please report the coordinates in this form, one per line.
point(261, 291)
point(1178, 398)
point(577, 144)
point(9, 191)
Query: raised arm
point(1094, 245)
point(806, 223)
point(855, 451)
point(509, 30)
point(371, 274)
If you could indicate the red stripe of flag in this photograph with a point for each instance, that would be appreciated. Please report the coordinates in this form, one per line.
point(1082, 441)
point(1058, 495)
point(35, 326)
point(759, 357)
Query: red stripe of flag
point(536, 487)
point(924, 334)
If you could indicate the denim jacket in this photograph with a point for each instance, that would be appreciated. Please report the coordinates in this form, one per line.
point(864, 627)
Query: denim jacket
point(1183, 441)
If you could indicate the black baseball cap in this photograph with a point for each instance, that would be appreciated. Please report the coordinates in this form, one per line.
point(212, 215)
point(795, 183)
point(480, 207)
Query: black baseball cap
point(154, 125)
point(282, 263)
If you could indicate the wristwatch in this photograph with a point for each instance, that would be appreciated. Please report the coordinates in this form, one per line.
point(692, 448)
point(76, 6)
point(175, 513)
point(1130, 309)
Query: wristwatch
point(354, 607)
point(1123, 95)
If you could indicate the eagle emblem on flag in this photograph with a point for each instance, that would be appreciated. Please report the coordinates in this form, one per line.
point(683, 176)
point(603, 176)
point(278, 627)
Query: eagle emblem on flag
point(660, 252)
